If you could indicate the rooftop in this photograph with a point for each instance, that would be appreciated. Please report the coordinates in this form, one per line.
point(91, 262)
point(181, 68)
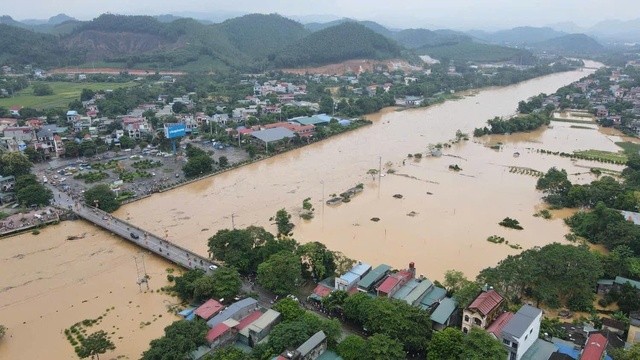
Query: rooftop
point(311, 120)
point(443, 312)
point(486, 302)
point(373, 276)
point(312, 343)
point(433, 296)
point(419, 291)
point(249, 319)
point(265, 320)
point(349, 277)
point(595, 347)
point(540, 350)
point(208, 309)
point(521, 321)
point(392, 280)
point(271, 135)
point(216, 332)
point(321, 291)
point(406, 289)
point(498, 324)
point(231, 311)
point(360, 269)
point(621, 281)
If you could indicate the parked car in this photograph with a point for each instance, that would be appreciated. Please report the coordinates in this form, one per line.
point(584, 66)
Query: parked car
point(134, 236)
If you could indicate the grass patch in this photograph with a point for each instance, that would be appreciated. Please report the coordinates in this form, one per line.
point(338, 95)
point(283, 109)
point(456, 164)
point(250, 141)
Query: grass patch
point(63, 94)
point(600, 155)
point(629, 147)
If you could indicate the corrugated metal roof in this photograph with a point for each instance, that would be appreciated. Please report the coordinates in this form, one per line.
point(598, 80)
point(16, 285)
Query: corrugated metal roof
point(265, 320)
point(373, 276)
point(498, 324)
point(442, 313)
point(406, 289)
point(216, 332)
point(486, 302)
point(271, 135)
point(208, 309)
point(521, 321)
point(595, 347)
point(360, 269)
point(231, 311)
point(312, 343)
point(418, 292)
point(433, 296)
point(622, 280)
point(349, 277)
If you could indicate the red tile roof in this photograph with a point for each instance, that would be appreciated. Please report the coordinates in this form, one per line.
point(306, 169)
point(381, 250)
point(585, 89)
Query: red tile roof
point(216, 332)
point(392, 280)
point(595, 347)
point(247, 320)
point(322, 291)
point(496, 327)
point(208, 309)
point(486, 302)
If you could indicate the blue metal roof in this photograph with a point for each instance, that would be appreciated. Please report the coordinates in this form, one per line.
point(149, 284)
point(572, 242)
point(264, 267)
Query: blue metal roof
point(360, 269)
point(230, 311)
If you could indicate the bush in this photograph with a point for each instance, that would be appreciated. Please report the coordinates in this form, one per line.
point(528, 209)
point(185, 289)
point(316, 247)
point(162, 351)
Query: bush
point(510, 223)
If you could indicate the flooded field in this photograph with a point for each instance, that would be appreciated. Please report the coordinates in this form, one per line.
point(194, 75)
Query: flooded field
point(49, 283)
point(448, 229)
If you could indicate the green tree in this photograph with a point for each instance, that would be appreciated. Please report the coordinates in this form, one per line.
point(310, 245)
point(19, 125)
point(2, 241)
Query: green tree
point(228, 353)
point(628, 299)
point(289, 335)
point(335, 300)
point(479, 345)
point(283, 222)
point(94, 345)
point(281, 273)
point(87, 94)
point(556, 186)
point(180, 339)
point(41, 89)
point(184, 285)
point(103, 197)
point(289, 308)
point(14, 164)
point(632, 353)
point(353, 347)
point(382, 347)
point(3, 331)
point(126, 142)
point(197, 165)
point(223, 162)
point(204, 288)
point(237, 248)
point(35, 194)
point(226, 282)
point(33, 155)
point(318, 261)
point(446, 345)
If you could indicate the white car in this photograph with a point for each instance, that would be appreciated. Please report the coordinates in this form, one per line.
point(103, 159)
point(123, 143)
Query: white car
point(212, 267)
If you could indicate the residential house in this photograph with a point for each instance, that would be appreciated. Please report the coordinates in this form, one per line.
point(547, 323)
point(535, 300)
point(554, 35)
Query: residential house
point(482, 311)
point(309, 350)
point(395, 281)
point(601, 111)
point(72, 116)
point(135, 127)
point(260, 328)
point(369, 281)
point(207, 310)
point(521, 331)
point(595, 348)
point(633, 335)
point(418, 292)
point(432, 298)
point(350, 279)
point(444, 315)
point(20, 133)
point(222, 334)
point(236, 310)
point(49, 141)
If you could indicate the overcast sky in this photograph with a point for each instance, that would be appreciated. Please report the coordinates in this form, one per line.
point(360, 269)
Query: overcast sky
point(458, 14)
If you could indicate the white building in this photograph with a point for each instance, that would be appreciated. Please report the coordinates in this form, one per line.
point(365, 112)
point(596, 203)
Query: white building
point(521, 331)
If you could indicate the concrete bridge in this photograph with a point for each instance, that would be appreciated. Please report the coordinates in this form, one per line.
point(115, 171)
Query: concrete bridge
point(135, 234)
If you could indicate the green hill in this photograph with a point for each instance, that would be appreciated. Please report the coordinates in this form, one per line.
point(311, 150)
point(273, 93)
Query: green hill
point(335, 44)
point(417, 38)
point(259, 35)
point(371, 25)
point(21, 46)
point(473, 51)
point(573, 44)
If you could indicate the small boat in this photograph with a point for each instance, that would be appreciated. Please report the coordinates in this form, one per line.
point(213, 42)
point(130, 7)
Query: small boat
point(516, 154)
point(334, 201)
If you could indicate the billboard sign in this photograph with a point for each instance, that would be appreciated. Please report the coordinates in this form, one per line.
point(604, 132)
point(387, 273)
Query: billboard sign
point(172, 131)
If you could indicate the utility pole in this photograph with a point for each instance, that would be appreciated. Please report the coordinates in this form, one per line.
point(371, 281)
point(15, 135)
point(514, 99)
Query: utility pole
point(233, 223)
point(379, 168)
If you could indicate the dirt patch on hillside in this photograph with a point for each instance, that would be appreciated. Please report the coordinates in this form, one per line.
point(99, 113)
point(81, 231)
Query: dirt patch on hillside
point(355, 66)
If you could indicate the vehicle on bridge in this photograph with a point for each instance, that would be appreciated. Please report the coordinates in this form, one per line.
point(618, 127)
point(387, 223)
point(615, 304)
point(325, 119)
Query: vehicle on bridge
point(134, 236)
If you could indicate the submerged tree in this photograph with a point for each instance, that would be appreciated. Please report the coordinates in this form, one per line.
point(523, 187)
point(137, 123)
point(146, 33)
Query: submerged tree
point(94, 345)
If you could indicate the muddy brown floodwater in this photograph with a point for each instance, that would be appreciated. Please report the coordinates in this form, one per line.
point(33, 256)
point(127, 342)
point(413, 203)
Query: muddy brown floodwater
point(49, 283)
point(449, 228)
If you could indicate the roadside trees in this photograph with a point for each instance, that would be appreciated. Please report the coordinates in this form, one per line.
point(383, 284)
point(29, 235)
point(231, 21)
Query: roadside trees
point(14, 164)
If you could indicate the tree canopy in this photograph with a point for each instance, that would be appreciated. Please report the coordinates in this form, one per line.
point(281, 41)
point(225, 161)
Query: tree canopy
point(180, 339)
point(94, 345)
point(281, 273)
point(103, 197)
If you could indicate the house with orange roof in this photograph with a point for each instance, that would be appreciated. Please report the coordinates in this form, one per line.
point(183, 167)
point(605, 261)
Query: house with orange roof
point(484, 309)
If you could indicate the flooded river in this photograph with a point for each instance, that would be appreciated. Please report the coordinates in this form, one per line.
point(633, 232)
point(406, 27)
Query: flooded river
point(450, 227)
point(441, 222)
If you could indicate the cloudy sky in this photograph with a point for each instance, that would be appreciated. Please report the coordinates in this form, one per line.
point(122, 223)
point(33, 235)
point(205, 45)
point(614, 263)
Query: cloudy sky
point(459, 14)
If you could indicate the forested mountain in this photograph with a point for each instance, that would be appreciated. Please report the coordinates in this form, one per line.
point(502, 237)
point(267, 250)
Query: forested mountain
point(21, 46)
point(338, 43)
point(417, 38)
point(371, 25)
point(518, 36)
point(570, 44)
point(260, 35)
point(474, 51)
